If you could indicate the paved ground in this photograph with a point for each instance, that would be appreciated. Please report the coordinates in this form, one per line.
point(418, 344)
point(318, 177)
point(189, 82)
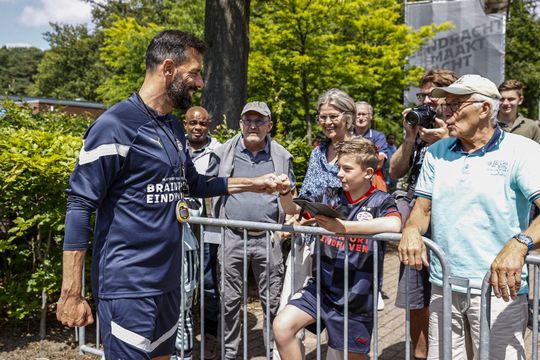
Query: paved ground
point(391, 323)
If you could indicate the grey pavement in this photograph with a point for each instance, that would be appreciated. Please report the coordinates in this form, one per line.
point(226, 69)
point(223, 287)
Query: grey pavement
point(391, 323)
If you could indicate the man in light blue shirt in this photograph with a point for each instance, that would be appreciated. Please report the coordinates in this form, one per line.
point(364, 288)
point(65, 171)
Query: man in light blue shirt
point(476, 189)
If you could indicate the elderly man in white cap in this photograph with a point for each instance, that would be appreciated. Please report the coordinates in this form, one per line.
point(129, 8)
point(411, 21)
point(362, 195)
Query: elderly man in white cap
point(476, 189)
point(248, 154)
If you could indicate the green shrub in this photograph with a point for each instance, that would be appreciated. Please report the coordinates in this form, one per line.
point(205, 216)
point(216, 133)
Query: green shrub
point(37, 154)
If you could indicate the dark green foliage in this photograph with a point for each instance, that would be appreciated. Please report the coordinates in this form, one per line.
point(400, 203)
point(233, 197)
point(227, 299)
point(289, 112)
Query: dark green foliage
point(17, 66)
point(522, 52)
point(71, 68)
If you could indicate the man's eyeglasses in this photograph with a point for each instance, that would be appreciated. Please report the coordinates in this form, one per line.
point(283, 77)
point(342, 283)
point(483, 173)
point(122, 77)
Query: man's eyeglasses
point(257, 122)
point(331, 117)
point(422, 96)
point(456, 106)
point(200, 123)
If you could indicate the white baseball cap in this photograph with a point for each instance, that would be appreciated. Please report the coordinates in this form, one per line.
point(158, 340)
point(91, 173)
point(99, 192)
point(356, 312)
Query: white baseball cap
point(468, 84)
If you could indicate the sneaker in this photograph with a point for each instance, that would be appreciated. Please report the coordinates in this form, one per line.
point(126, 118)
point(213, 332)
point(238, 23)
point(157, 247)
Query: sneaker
point(380, 302)
point(211, 347)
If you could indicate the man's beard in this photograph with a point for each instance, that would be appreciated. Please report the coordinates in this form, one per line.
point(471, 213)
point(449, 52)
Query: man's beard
point(178, 93)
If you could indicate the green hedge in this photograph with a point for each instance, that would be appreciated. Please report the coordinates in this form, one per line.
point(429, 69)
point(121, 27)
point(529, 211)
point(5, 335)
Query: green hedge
point(37, 154)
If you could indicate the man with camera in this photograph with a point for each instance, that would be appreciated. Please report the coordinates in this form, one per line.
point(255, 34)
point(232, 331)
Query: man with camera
point(422, 128)
point(473, 223)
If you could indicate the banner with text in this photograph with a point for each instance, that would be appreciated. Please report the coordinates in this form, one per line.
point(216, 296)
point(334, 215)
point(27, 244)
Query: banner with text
point(475, 44)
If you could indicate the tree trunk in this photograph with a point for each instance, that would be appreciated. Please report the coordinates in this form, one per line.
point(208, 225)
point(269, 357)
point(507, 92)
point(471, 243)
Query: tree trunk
point(306, 103)
point(226, 32)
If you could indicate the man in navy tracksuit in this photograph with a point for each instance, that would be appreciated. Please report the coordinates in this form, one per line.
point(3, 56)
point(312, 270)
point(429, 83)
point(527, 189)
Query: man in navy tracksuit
point(132, 170)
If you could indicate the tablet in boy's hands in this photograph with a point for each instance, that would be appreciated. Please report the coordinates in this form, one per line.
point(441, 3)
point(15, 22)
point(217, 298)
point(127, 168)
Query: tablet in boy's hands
point(316, 208)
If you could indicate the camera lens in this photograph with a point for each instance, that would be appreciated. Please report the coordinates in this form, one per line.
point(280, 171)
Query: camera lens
point(412, 118)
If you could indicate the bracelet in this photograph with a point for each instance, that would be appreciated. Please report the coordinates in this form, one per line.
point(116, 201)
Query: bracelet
point(285, 193)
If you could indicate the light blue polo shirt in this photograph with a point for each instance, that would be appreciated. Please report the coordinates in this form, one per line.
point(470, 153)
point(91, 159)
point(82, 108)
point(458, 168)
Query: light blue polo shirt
point(479, 201)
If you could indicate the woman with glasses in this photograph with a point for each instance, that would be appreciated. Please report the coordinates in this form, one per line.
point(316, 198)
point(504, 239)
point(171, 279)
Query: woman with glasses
point(336, 113)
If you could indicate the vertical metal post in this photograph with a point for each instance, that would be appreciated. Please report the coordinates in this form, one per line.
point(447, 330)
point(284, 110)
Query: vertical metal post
point(318, 283)
point(535, 313)
point(269, 264)
point(183, 299)
point(202, 290)
point(375, 299)
point(447, 314)
point(292, 265)
point(222, 303)
point(346, 301)
point(485, 315)
point(245, 295)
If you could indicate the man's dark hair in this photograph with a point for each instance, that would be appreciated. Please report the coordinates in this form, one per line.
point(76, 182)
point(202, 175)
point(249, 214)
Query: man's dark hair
point(171, 44)
point(512, 84)
point(438, 77)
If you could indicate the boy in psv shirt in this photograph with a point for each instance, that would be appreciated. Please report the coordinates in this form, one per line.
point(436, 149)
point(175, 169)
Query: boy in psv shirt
point(367, 211)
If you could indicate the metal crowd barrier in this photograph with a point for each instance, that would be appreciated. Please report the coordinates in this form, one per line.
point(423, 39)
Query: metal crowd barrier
point(485, 310)
point(213, 231)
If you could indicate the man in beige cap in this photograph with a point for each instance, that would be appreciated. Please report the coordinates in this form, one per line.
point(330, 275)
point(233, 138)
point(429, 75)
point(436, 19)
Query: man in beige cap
point(475, 188)
point(248, 154)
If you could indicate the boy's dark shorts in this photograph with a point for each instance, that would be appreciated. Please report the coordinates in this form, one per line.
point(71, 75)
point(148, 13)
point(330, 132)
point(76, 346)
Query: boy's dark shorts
point(419, 288)
point(139, 328)
point(360, 327)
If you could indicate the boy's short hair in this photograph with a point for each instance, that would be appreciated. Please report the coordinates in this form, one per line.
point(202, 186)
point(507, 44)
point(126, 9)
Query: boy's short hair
point(512, 84)
point(365, 151)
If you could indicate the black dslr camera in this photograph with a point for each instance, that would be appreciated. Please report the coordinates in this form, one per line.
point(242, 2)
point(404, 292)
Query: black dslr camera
point(423, 115)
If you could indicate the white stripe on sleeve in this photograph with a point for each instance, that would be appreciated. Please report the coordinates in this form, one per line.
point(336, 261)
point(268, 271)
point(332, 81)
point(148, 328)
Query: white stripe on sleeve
point(86, 157)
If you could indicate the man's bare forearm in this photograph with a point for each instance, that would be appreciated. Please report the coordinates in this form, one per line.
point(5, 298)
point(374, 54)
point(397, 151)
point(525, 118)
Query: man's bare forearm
point(399, 163)
point(237, 185)
point(420, 216)
point(72, 268)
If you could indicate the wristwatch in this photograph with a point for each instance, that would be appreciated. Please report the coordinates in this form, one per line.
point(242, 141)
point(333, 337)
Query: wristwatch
point(525, 240)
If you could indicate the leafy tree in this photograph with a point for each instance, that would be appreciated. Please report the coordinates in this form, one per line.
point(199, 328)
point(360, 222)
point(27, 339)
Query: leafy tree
point(105, 13)
point(522, 55)
point(123, 52)
point(17, 66)
point(71, 68)
point(125, 42)
point(300, 48)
